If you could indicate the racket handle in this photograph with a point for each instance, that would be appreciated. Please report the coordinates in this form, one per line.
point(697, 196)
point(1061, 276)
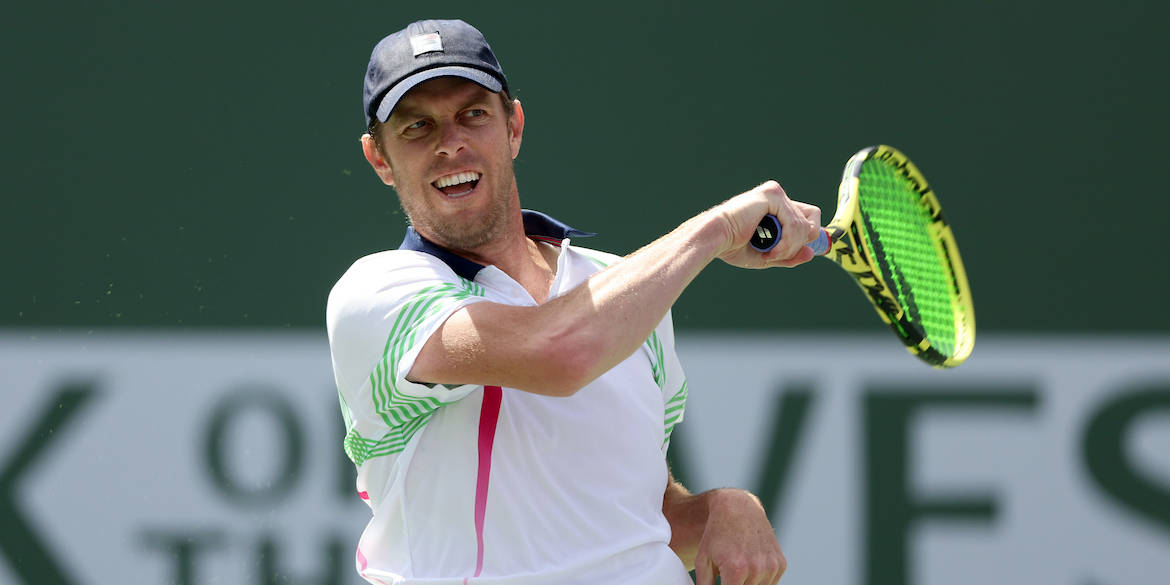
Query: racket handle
point(768, 235)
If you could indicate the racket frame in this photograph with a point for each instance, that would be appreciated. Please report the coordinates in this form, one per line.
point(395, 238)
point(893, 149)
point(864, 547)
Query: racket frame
point(851, 251)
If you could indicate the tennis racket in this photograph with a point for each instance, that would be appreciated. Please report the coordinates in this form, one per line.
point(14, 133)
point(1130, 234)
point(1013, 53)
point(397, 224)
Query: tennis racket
point(890, 235)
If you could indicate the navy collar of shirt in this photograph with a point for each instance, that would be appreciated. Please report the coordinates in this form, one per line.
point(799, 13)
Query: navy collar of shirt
point(537, 226)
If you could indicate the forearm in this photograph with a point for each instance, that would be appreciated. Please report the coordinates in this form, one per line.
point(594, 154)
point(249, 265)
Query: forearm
point(614, 312)
point(620, 306)
point(569, 341)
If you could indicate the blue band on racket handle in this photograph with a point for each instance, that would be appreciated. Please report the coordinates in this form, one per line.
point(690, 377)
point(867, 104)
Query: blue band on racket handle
point(768, 235)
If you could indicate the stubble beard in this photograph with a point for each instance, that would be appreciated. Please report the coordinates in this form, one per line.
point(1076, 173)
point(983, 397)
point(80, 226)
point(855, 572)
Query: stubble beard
point(488, 227)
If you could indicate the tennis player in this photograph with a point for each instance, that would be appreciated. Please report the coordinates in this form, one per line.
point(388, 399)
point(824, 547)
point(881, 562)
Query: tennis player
point(510, 395)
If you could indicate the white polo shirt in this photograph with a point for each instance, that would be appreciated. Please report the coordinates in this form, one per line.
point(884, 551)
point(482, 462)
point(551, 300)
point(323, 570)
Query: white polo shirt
point(490, 485)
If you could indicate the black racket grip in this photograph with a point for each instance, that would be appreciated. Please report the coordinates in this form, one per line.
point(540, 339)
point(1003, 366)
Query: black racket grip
point(768, 235)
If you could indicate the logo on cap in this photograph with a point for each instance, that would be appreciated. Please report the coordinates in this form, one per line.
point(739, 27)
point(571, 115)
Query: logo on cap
point(426, 43)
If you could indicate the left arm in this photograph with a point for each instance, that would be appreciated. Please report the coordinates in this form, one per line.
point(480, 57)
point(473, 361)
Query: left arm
point(723, 532)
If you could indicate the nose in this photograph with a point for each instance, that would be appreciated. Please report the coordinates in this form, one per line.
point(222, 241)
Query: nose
point(452, 139)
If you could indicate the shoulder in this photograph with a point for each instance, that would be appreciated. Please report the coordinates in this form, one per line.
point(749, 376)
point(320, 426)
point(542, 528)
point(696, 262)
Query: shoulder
point(381, 280)
point(379, 264)
point(603, 259)
point(390, 268)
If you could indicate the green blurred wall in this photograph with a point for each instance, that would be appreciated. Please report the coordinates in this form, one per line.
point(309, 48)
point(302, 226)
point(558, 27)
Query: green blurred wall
point(197, 165)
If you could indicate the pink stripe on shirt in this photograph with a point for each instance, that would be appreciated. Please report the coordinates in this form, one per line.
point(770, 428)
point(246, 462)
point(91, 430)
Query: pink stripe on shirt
point(489, 414)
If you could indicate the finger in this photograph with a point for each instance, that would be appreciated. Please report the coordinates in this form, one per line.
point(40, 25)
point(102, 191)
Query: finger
point(734, 575)
point(814, 233)
point(772, 188)
point(704, 572)
point(763, 574)
point(771, 577)
point(779, 564)
point(811, 212)
point(814, 217)
point(804, 254)
point(811, 215)
point(776, 577)
point(796, 230)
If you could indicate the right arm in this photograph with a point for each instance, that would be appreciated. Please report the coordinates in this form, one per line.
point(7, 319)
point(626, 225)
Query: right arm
point(569, 341)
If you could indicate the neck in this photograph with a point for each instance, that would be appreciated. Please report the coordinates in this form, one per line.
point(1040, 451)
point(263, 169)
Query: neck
point(528, 262)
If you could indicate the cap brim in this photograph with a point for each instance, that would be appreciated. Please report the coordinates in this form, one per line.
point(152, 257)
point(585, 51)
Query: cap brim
point(487, 80)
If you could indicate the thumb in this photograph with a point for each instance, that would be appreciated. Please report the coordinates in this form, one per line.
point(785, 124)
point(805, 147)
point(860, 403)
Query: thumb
point(704, 571)
point(802, 255)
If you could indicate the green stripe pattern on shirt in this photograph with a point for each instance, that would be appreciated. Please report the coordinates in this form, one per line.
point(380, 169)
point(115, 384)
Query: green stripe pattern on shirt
point(402, 413)
point(657, 360)
point(674, 412)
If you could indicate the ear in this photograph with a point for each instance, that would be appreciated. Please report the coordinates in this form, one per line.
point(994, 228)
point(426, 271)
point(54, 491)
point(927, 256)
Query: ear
point(516, 128)
point(379, 163)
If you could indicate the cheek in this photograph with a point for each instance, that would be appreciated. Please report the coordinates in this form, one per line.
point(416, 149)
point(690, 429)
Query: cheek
point(399, 170)
point(513, 143)
point(388, 175)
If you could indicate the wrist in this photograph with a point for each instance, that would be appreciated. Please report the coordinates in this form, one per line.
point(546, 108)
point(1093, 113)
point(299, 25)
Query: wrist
point(713, 231)
point(693, 510)
point(730, 497)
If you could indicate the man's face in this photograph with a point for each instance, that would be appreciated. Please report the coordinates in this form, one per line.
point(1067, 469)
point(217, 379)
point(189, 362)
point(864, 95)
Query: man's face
point(448, 149)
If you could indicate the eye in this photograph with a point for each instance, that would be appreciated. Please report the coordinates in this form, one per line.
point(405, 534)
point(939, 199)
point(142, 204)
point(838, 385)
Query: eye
point(475, 114)
point(415, 129)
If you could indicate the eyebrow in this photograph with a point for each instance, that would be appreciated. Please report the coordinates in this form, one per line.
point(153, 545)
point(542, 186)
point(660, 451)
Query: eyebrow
point(401, 111)
point(479, 95)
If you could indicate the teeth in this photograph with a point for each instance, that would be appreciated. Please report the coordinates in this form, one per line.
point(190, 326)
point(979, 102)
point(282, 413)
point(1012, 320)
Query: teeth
point(456, 179)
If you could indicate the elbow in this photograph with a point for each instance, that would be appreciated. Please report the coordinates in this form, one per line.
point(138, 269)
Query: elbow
point(567, 366)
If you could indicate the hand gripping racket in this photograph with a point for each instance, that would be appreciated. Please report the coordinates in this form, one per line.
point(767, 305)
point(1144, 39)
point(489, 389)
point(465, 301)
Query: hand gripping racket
point(890, 235)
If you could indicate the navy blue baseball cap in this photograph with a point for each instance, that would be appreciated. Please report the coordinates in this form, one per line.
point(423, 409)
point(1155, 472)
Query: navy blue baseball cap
point(423, 51)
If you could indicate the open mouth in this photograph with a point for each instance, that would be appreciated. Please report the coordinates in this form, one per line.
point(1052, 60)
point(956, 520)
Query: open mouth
point(458, 184)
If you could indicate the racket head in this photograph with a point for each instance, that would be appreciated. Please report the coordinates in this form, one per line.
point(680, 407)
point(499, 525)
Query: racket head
point(890, 235)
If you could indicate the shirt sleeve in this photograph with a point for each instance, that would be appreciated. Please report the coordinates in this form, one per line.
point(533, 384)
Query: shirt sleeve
point(379, 316)
point(674, 380)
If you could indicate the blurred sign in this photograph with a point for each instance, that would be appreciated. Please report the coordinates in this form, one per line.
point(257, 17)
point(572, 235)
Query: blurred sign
point(175, 457)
